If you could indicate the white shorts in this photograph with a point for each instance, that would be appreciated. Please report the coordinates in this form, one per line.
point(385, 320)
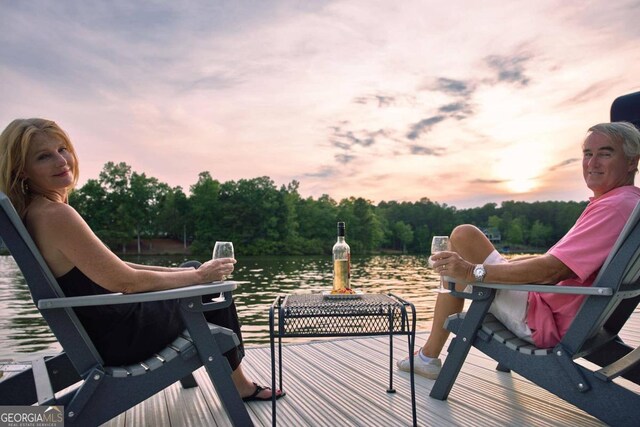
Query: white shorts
point(509, 307)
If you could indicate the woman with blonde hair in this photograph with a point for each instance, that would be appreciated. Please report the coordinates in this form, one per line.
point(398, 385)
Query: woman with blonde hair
point(38, 169)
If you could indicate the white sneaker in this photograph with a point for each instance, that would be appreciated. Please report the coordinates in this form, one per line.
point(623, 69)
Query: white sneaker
point(429, 370)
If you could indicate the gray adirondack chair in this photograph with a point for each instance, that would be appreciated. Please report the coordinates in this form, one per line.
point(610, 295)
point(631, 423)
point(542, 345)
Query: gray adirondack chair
point(102, 392)
point(593, 335)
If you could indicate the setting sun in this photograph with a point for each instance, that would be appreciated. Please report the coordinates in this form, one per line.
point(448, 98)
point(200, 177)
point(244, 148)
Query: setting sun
point(519, 168)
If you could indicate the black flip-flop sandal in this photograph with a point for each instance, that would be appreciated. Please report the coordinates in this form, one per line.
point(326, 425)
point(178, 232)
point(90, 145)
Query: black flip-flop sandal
point(254, 396)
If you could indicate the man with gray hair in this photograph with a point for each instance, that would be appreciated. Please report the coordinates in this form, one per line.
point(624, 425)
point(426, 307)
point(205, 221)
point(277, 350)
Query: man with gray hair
point(610, 155)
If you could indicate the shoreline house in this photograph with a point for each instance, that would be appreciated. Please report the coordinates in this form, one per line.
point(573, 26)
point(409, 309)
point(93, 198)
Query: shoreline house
point(493, 234)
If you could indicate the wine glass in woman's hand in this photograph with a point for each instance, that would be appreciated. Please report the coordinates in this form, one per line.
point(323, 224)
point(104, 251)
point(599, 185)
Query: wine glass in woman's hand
point(223, 250)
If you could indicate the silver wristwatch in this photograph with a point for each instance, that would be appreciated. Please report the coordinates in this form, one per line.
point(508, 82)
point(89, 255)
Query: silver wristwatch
point(479, 272)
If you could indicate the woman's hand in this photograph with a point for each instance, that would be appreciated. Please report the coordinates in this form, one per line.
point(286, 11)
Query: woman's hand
point(452, 265)
point(216, 269)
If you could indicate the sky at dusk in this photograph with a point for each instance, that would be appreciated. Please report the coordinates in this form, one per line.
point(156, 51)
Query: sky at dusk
point(462, 102)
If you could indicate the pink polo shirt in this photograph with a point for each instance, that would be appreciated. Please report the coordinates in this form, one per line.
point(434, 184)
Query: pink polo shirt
point(583, 249)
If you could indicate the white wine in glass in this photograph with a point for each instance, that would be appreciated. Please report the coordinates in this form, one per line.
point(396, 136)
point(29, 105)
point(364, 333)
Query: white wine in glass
point(223, 250)
point(439, 244)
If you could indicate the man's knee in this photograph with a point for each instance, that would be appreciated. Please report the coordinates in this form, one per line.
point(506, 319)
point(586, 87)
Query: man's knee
point(471, 243)
point(465, 233)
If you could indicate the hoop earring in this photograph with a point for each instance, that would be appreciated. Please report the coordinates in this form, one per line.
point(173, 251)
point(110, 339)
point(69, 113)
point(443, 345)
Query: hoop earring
point(24, 187)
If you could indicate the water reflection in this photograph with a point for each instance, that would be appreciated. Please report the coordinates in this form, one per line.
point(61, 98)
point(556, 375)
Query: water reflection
point(22, 328)
point(23, 332)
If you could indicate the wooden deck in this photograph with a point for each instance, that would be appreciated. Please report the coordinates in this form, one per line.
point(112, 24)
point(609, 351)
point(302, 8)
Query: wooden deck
point(343, 382)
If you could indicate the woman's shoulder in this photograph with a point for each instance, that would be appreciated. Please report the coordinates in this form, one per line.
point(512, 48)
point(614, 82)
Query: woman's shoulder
point(51, 214)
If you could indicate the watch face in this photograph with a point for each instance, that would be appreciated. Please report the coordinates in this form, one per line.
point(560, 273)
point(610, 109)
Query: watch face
point(478, 272)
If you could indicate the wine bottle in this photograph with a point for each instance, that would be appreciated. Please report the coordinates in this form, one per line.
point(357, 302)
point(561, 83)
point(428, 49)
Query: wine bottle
point(341, 261)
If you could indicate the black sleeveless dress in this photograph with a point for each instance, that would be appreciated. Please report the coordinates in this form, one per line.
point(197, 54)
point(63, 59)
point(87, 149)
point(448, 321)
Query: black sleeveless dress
point(130, 333)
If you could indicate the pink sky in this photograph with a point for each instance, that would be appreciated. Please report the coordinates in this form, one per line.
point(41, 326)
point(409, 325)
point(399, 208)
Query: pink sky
point(477, 103)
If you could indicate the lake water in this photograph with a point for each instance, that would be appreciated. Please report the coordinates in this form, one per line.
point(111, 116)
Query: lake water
point(24, 334)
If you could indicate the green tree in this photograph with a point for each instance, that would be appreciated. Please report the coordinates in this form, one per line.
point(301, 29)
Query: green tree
point(494, 221)
point(287, 218)
point(248, 215)
point(174, 216)
point(115, 180)
point(145, 194)
point(364, 230)
point(369, 227)
point(423, 238)
point(539, 234)
point(206, 213)
point(317, 224)
point(515, 234)
point(403, 233)
point(91, 203)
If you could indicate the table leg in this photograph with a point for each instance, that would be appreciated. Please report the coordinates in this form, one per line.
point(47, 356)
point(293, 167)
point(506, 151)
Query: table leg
point(410, 327)
point(280, 360)
point(273, 362)
point(391, 389)
point(411, 339)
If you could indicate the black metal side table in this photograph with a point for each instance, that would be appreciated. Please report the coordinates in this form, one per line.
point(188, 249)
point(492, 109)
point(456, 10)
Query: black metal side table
point(315, 315)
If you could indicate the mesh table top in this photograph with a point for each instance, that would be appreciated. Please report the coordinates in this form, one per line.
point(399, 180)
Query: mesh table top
point(317, 315)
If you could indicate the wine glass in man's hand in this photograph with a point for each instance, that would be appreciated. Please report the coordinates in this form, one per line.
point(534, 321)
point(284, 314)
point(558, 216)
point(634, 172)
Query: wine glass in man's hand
point(439, 244)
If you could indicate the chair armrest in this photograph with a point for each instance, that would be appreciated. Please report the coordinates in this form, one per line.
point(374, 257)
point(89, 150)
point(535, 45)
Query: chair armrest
point(550, 289)
point(119, 298)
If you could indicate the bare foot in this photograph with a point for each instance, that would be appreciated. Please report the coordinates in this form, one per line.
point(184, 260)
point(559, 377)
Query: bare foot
point(250, 391)
point(261, 393)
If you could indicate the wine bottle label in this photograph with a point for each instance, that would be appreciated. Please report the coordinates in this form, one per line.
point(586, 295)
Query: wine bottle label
point(341, 269)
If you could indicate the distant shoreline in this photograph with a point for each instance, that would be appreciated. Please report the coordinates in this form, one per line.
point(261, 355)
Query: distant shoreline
point(155, 247)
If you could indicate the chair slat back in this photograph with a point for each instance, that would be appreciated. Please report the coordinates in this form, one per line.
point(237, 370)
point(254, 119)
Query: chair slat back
point(627, 234)
point(63, 322)
point(620, 272)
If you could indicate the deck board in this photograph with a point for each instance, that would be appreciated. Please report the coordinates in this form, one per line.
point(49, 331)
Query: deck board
point(344, 381)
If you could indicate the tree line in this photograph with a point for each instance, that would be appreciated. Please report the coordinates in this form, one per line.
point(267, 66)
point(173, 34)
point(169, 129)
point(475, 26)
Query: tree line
point(122, 205)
